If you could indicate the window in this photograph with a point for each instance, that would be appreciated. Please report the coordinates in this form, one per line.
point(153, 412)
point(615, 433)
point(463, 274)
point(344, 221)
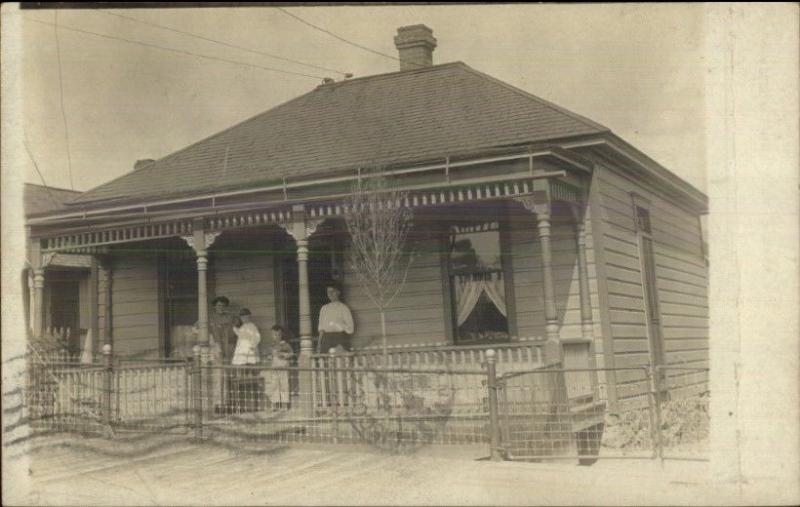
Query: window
point(477, 283)
point(179, 278)
point(649, 282)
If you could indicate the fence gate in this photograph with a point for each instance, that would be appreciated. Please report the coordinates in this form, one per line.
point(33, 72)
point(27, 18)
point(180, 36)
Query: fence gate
point(540, 420)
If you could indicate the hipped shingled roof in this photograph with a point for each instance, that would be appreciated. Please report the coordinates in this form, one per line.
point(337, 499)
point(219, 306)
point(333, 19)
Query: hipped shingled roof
point(439, 111)
point(40, 199)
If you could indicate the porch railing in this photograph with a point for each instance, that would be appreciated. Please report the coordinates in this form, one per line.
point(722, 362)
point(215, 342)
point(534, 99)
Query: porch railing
point(525, 414)
point(511, 355)
point(328, 388)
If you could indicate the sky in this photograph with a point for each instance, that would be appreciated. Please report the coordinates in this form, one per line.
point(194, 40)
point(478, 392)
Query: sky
point(637, 69)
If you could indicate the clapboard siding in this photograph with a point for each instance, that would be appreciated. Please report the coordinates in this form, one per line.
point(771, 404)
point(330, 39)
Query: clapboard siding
point(416, 316)
point(681, 273)
point(134, 304)
point(528, 289)
point(246, 278)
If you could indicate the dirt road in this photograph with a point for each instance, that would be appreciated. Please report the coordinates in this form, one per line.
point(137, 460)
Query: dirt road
point(100, 472)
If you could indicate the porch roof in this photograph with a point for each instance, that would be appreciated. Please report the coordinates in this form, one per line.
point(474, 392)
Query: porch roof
point(397, 118)
point(39, 199)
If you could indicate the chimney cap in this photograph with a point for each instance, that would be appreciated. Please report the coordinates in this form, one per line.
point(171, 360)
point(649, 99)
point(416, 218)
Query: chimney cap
point(415, 45)
point(414, 35)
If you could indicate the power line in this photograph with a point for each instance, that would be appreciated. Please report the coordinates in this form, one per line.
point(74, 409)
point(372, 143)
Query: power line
point(181, 51)
point(228, 44)
point(365, 48)
point(36, 166)
point(61, 98)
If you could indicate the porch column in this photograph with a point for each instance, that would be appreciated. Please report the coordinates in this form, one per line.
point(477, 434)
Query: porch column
point(200, 241)
point(108, 274)
point(304, 295)
point(38, 262)
point(539, 202)
point(301, 228)
point(583, 275)
point(550, 313)
point(38, 302)
point(31, 301)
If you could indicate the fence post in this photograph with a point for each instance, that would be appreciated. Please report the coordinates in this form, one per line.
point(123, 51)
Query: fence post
point(197, 388)
point(494, 423)
point(108, 382)
point(332, 391)
point(306, 378)
point(655, 390)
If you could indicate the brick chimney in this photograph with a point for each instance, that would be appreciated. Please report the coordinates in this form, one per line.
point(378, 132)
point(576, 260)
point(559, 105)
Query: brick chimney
point(415, 45)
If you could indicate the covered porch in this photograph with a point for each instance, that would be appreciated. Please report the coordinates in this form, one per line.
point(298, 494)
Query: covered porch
point(502, 243)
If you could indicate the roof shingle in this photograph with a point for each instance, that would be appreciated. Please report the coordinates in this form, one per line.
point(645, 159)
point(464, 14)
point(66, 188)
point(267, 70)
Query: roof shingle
point(400, 117)
point(41, 199)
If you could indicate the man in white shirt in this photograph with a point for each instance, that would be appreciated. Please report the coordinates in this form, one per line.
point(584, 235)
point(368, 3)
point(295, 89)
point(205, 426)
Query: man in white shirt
point(335, 323)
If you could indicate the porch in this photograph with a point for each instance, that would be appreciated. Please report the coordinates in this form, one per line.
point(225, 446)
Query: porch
point(502, 262)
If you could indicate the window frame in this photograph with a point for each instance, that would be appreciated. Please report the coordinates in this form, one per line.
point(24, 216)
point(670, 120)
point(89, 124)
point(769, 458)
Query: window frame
point(506, 269)
point(649, 279)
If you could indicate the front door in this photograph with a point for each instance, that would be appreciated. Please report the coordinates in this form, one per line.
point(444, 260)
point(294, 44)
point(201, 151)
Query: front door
point(64, 310)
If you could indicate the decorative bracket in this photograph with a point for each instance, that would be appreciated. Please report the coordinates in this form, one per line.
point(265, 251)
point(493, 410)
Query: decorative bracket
point(47, 259)
point(537, 202)
point(208, 240)
point(304, 231)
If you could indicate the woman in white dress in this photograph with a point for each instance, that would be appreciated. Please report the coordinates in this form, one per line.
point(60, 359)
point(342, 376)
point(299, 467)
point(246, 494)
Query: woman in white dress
point(247, 339)
point(246, 394)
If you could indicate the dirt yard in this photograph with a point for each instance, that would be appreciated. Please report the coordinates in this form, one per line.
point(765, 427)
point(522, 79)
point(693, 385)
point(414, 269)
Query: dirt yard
point(160, 470)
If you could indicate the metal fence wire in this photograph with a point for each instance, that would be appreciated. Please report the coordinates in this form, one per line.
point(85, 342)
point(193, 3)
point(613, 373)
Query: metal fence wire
point(683, 412)
point(64, 396)
point(539, 414)
point(387, 408)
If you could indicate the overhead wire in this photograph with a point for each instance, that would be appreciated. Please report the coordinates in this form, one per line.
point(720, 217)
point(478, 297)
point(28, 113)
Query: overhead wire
point(36, 166)
point(61, 98)
point(222, 43)
point(174, 50)
point(339, 37)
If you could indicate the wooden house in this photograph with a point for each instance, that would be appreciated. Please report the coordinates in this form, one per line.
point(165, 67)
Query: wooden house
point(533, 224)
point(67, 292)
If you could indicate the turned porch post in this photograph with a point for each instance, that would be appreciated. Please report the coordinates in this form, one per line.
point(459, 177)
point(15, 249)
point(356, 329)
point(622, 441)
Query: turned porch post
point(200, 241)
point(31, 300)
point(108, 274)
point(583, 274)
point(38, 301)
point(550, 313)
point(539, 202)
point(37, 261)
point(300, 229)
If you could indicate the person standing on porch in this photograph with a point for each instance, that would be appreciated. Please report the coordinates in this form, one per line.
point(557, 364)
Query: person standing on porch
point(221, 335)
point(276, 381)
point(335, 323)
point(220, 327)
point(247, 339)
point(244, 393)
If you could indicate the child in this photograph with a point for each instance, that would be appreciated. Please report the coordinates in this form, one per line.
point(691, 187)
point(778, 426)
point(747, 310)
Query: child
point(244, 390)
point(248, 338)
point(277, 380)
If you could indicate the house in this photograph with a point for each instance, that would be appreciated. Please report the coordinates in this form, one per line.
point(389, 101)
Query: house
point(66, 281)
point(534, 225)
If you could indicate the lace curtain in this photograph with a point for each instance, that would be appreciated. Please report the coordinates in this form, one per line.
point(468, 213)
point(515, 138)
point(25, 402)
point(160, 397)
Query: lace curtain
point(469, 289)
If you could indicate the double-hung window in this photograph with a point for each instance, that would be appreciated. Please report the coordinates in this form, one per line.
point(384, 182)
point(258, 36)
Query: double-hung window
point(477, 283)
